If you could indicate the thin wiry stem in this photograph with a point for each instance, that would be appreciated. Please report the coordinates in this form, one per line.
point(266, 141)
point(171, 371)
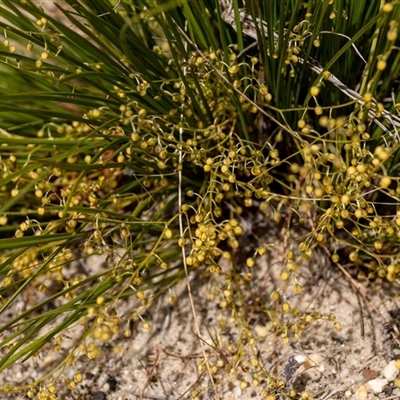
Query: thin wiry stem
point(181, 232)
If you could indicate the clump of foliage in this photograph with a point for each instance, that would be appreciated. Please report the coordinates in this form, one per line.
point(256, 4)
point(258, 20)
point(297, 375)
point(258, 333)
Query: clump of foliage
point(131, 130)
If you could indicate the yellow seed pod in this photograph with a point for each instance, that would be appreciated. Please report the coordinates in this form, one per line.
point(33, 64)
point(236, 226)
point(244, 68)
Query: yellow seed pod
point(226, 187)
point(331, 317)
point(224, 169)
point(314, 91)
point(305, 396)
point(317, 315)
point(353, 256)
point(72, 384)
point(368, 97)
point(289, 255)
point(274, 154)
point(164, 266)
point(189, 260)
point(263, 90)
point(254, 362)
point(125, 233)
point(294, 168)
point(334, 199)
point(243, 385)
point(291, 266)
point(146, 326)
point(301, 123)
point(351, 170)
point(233, 69)
point(392, 35)
point(284, 276)
point(285, 307)
point(303, 246)
point(387, 7)
point(105, 334)
point(337, 325)
point(326, 75)
point(381, 65)
point(385, 182)
point(275, 296)
point(391, 277)
point(238, 230)
point(345, 199)
point(42, 395)
point(298, 289)
point(339, 224)
point(345, 214)
point(324, 122)
point(248, 202)
point(318, 192)
point(168, 233)
point(318, 110)
point(361, 168)
point(250, 262)
point(359, 213)
point(285, 340)
point(390, 231)
point(317, 175)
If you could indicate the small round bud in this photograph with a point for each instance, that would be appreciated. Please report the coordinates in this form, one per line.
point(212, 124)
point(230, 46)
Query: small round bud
point(314, 91)
point(381, 65)
point(250, 262)
point(387, 7)
point(275, 296)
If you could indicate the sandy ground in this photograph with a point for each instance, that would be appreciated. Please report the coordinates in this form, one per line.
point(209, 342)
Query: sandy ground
point(165, 362)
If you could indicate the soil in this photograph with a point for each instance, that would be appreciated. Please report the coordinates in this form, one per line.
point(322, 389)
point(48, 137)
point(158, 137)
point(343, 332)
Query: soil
point(163, 362)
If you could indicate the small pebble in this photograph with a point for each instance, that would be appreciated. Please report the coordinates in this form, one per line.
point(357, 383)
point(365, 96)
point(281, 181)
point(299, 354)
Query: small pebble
point(300, 358)
point(262, 330)
point(99, 396)
point(112, 383)
point(390, 372)
point(361, 393)
point(310, 361)
point(237, 391)
point(377, 385)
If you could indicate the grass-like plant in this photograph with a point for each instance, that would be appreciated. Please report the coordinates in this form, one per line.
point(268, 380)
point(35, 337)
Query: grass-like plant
point(147, 130)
